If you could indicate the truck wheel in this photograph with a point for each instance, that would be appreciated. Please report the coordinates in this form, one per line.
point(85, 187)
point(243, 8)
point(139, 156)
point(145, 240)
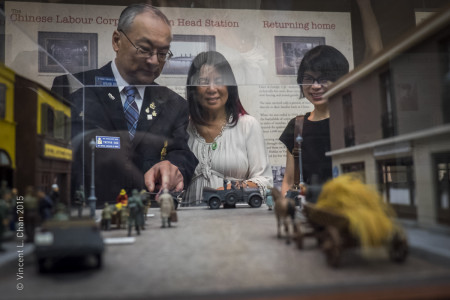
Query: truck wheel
point(231, 199)
point(42, 265)
point(99, 261)
point(214, 203)
point(255, 201)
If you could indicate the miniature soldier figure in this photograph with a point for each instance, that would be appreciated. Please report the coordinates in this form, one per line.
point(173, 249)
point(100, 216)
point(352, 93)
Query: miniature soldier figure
point(13, 209)
point(166, 207)
point(123, 217)
point(4, 189)
point(45, 206)
point(145, 199)
point(233, 184)
point(80, 200)
point(134, 207)
point(106, 217)
point(269, 199)
point(31, 213)
point(61, 213)
point(3, 218)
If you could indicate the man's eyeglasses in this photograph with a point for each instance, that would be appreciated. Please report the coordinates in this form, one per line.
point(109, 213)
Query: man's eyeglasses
point(309, 80)
point(162, 55)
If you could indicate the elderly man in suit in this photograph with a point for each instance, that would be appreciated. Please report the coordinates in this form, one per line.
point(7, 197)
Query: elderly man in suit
point(138, 126)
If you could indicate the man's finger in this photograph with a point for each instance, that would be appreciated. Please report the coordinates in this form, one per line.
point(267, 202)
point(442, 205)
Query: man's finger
point(150, 180)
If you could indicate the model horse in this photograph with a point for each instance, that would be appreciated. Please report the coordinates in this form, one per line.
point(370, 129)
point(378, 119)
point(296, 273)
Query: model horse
point(285, 214)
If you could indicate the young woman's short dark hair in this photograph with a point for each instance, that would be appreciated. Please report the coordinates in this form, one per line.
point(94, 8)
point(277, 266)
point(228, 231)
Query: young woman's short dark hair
point(233, 106)
point(327, 60)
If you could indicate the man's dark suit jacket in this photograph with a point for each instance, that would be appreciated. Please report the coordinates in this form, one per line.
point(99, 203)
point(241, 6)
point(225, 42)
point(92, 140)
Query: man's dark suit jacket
point(98, 111)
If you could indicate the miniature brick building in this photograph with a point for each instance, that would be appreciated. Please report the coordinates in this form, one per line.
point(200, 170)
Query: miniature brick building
point(390, 122)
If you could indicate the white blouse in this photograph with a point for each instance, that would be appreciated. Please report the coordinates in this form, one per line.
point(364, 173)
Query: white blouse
point(240, 155)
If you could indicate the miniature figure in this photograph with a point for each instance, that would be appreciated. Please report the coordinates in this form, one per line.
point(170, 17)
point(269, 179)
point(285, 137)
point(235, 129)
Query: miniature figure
point(123, 217)
point(80, 200)
point(45, 206)
point(106, 217)
point(4, 189)
point(145, 199)
point(134, 208)
point(122, 197)
point(54, 194)
point(269, 199)
point(31, 213)
point(3, 218)
point(284, 210)
point(167, 207)
point(13, 209)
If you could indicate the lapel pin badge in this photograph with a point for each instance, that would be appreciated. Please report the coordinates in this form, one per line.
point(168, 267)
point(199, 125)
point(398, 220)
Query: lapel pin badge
point(111, 96)
point(149, 117)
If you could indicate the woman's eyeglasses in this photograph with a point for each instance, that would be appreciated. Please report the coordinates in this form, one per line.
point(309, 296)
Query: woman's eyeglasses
point(309, 80)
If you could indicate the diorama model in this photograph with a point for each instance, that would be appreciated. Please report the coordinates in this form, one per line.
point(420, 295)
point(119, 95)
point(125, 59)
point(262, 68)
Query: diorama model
point(349, 213)
point(229, 197)
point(57, 241)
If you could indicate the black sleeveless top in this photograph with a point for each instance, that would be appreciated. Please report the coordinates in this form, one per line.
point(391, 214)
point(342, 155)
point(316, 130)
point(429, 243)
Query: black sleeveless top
point(316, 141)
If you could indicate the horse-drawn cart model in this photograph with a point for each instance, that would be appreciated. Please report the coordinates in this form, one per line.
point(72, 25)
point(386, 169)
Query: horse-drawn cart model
point(229, 197)
point(349, 214)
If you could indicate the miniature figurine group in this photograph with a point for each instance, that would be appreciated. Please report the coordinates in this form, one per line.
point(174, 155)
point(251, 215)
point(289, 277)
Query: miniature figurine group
point(127, 212)
point(37, 208)
point(132, 211)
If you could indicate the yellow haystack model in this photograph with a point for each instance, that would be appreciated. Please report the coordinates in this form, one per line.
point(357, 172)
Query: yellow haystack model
point(349, 213)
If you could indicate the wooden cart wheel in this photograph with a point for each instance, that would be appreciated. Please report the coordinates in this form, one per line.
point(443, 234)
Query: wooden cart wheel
point(332, 246)
point(398, 248)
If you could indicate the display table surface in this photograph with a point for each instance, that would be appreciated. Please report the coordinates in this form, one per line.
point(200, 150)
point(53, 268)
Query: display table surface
point(224, 254)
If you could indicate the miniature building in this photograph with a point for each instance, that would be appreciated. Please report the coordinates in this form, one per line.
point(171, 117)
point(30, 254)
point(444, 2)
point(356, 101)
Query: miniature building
point(35, 135)
point(390, 121)
point(7, 126)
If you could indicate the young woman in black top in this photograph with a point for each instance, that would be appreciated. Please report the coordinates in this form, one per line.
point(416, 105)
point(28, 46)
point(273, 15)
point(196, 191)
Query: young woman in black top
point(320, 67)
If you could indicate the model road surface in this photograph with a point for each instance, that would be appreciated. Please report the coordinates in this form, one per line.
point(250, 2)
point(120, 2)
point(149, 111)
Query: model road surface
point(223, 254)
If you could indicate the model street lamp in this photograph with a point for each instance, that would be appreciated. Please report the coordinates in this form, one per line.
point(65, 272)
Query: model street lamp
point(299, 141)
point(92, 199)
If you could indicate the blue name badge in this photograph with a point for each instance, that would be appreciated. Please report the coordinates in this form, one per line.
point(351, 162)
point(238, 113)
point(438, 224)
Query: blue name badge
point(109, 142)
point(105, 81)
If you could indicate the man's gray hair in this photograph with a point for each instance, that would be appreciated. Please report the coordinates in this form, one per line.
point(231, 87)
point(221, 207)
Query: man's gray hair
point(130, 12)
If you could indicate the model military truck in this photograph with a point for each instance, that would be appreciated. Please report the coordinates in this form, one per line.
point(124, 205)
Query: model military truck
point(229, 197)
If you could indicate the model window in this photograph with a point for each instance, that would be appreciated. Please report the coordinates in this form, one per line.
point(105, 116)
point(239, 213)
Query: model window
point(442, 165)
point(446, 81)
point(396, 178)
point(356, 168)
point(349, 129)
point(59, 125)
point(47, 120)
point(67, 128)
point(2, 101)
point(388, 116)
